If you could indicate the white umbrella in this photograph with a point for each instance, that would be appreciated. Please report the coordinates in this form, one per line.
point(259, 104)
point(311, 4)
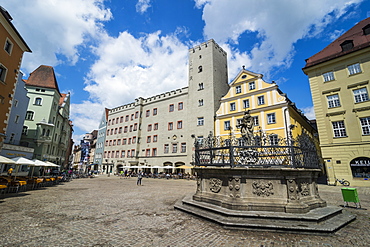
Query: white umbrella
point(21, 161)
point(168, 167)
point(51, 164)
point(5, 160)
point(40, 163)
point(157, 167)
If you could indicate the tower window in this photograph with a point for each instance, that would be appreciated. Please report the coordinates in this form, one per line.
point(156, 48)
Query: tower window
point(200, 69)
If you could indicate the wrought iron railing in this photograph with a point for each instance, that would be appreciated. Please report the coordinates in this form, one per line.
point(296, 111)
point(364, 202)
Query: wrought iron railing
point(262, 151)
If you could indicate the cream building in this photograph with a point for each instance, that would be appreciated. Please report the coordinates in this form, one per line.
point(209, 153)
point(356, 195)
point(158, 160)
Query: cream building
point(339, 80)
point(159, 130)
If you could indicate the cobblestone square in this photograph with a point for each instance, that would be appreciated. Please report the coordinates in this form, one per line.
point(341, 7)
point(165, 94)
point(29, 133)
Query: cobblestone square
point(109, 211)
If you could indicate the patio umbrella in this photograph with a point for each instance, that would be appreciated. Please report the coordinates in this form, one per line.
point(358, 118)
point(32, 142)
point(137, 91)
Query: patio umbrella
point(40, 163)
point(51, 164)
point(5, 160)
point(21, 161)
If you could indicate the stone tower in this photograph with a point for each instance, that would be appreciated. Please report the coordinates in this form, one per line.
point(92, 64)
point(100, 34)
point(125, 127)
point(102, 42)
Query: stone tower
point(208, 82)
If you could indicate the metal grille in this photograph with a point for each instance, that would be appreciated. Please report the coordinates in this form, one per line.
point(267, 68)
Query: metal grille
point(263, 151)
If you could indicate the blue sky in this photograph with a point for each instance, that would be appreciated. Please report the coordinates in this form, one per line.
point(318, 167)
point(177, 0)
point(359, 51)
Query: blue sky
point(109, 52)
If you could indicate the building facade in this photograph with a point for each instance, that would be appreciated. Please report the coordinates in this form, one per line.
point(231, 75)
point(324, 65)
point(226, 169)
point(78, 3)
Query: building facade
point(339, 80)
point(273, 113)
point(160, 130)
point(47, 127)
point(100, 143)
point(12, 47)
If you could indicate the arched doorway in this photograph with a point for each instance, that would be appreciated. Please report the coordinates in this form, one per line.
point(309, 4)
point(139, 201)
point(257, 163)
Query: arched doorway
point(360, 167)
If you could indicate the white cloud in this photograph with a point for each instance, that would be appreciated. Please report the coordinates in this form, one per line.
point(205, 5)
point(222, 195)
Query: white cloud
point(130, 67)
point(309, 112)
point(279, 24)
point(54, 30)
point(142, 6)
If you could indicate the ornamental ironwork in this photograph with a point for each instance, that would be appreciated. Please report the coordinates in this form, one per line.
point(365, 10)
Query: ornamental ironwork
point(262, 150)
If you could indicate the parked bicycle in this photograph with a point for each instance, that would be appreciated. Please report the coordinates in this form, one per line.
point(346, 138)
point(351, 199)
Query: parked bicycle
point(342, 182)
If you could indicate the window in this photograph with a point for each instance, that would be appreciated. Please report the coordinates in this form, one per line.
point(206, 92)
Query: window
point(354, 69)
point(181, 106)
point(8, 46)
point(125, 129)
point(183, 147)
point(339, 129)
point(148, 139)
point(227, 125)
point(2, 73)
point(24, 130)
point(121, 120)
point(133, 139)
point(16, 120)
point(200, 86)
point(174, 148)
point(171, 108)
point(156, 126)
point(252, 85)
point(126, 118)
point(147, 152)
point(365, 125)
point(115, 131)
point(114, 142)
point(123, 153)
point(200, 102)
point(38, 101)
point(329, 76)
point(135, 127)
point(155, 111)
point(110, 142)
point(133, 153)
point(124, 141)
point(147, 114)
point(128, 154)
point(119, 142)
point(136, 114)
point(154, 152)
point(120, 130)
point(366, 29)
point(255, 121)
point(360, 95)
point(232, 106)
point(200, 69)
point(170, 126)
point(166, 148)
point(29, 115)
point(333, 101)
point(271, 119)
point(347, 45)
point(246, 103)
point(117, 154)
point(179, 124)
point(106, 143)
point(15, 103)
point(261, 100)
point(238, 89)
point(131, 127)
point(149, 127)
point(274, 140)
point(200, 121)
point(155, 138)
point(132, 116)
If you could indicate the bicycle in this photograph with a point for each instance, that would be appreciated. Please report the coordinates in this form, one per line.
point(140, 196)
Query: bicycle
point(342, 182)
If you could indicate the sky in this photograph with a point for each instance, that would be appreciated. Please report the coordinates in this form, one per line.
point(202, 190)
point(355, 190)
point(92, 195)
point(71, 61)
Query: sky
point(106, 53)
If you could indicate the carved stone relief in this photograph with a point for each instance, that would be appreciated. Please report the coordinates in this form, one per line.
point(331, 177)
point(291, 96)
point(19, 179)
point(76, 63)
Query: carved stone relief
point(261, 188)
point(215, 185)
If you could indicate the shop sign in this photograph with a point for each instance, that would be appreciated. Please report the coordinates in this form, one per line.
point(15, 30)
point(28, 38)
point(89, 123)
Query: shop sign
point(361, 161)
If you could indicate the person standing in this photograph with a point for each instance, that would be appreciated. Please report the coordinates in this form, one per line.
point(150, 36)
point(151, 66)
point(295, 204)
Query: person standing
point(10, 171)
point(139, 177)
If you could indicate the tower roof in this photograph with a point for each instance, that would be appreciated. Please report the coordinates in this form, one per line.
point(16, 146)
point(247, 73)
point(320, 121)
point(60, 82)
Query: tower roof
point(43, 76)
point(358, 37)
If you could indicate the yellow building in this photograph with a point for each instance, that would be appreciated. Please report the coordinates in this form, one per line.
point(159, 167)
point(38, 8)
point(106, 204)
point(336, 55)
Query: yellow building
point(273, 113)
point(12, 47)
point(339, 80)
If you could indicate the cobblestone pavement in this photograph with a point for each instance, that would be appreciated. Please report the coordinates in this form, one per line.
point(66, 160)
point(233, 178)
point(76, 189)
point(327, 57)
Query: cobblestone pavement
point(108, 211)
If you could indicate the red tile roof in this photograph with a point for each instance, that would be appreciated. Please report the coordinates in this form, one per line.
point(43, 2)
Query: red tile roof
point(334, 50)
point(43, 76)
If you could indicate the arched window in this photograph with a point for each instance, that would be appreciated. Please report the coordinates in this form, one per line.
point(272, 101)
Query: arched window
point(29, 115)
point(38, 101)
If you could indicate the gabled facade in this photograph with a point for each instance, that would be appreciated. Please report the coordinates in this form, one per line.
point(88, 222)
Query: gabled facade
point(12, 47)
point(339, 80)
point(47, 127)
point(273, 113)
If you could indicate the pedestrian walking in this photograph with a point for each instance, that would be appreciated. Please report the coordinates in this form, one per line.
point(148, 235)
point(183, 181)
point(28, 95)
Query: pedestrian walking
point(139, 177)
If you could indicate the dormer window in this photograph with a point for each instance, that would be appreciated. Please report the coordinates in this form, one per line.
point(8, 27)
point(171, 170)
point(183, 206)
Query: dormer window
point(366, 29)
point(347, 45)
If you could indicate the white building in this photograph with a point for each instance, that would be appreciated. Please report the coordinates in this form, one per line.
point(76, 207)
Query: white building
point(159, 130)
